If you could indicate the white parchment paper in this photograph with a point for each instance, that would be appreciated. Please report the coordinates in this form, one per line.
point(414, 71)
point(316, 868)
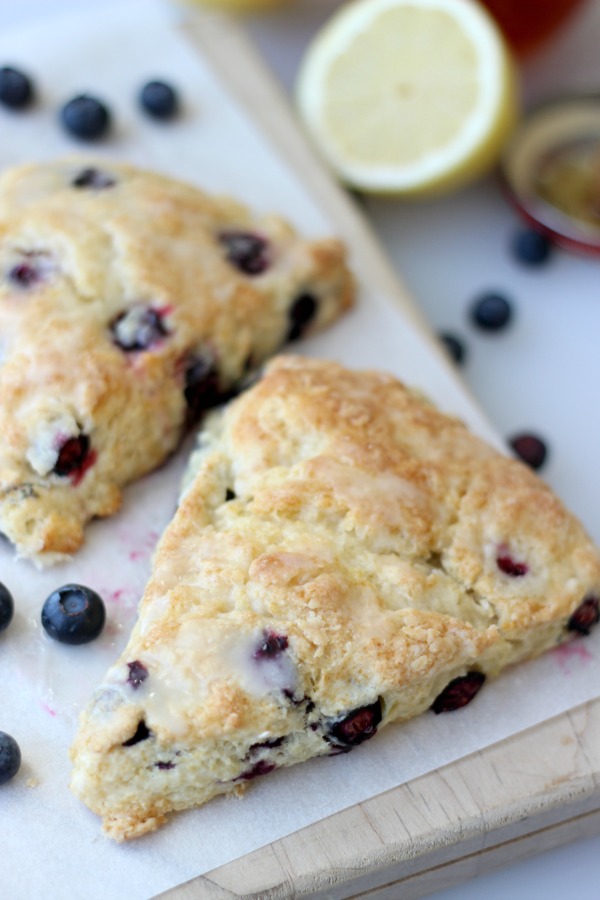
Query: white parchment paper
point(51, 846)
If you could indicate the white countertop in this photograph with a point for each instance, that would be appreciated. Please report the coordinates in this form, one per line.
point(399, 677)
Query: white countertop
point(539, 375)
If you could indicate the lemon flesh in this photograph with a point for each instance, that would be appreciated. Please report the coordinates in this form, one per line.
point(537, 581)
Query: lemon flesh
point(409, 96)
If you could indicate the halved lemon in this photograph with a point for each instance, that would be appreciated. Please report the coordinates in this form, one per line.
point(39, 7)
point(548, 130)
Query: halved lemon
point(409, 97)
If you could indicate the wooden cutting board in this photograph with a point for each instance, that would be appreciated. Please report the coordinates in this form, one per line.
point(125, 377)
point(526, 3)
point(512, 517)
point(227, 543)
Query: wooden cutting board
point(526, 794)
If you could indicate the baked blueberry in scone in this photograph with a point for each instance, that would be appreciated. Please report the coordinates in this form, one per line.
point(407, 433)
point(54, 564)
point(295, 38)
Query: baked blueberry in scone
point(344, 556)
point(130, 303)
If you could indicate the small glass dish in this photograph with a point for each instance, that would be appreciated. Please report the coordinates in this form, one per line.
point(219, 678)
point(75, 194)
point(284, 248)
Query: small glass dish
point(551, 171)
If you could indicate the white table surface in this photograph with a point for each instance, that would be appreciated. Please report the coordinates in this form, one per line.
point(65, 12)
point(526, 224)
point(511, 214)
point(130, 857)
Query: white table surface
point(542, 374)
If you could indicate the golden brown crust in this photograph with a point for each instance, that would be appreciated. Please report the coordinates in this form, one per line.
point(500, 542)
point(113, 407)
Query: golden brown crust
point(77, 266)
point(385, 548)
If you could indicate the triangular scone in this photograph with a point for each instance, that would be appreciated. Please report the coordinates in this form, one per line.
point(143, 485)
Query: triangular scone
point(344, 556)
point(130, 302)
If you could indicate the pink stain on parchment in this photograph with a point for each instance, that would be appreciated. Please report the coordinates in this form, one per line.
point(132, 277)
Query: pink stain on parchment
point(145, 548)
point(123, 598)
point(121, 604)
point(119, 596)
point(48, 709)
point(573, 654)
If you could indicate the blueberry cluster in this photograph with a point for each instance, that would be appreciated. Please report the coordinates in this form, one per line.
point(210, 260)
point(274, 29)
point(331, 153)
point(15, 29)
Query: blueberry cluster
point(492, 312)
point(73, 614)
point(86, 117)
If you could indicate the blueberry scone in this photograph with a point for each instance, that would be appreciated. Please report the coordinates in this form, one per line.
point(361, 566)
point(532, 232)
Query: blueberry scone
point(344, 556)
point(129, 303)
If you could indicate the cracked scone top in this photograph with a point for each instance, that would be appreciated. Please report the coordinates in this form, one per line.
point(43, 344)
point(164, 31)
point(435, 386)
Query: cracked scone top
point(130, 302)
point(343, 556)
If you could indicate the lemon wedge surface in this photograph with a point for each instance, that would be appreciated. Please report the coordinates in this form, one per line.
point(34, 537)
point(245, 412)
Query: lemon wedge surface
point(409, 97)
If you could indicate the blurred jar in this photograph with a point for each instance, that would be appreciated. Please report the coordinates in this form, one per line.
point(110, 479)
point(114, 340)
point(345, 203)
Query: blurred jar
point(529, 23)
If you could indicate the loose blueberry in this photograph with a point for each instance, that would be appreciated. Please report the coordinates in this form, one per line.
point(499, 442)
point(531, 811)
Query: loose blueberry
point(94, 179)
point(301, 314)
point(491, 312)
point(202, 384)
point(159, 100)
point(270, 645)
point(16, 89)
point(458, 692)
point(139, 328)
point(510, 566)
point(86, 118)
point(585, 616)
point(262, 767)
point(247, 252)
point(10, 757)
point(73, 614)
point(137, 673)
point(73, 456)
point(530, 449)
point(355, 727)
point(454, 347)
point(142, 733)
point(7, 607)
point(531, 247)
